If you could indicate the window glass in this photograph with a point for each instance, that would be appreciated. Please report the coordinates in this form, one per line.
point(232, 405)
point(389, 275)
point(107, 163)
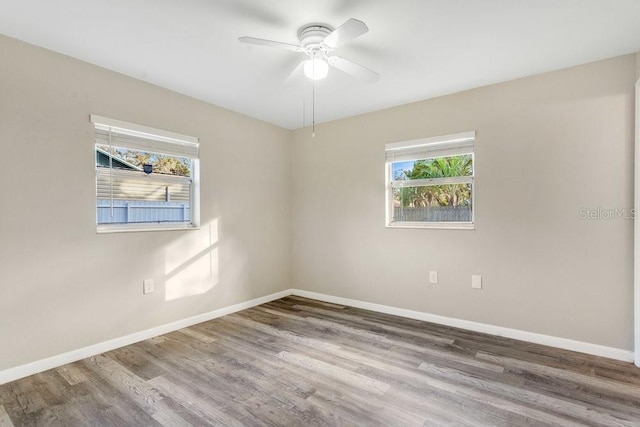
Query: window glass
point(138, 188)
point(430, 183)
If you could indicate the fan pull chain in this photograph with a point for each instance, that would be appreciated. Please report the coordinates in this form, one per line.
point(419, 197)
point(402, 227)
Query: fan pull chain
point(313, 109)
point(313, 97)
point(304, 101)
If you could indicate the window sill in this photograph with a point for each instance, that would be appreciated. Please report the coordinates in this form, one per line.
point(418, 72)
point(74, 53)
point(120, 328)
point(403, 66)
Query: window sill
point(131, 228)
point(434, 225)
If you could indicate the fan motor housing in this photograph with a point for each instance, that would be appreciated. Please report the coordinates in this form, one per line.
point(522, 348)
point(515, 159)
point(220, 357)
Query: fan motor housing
point(312, 35)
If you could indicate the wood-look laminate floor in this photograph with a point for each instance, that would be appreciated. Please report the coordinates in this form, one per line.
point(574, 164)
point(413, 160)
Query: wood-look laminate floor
point(299, 362)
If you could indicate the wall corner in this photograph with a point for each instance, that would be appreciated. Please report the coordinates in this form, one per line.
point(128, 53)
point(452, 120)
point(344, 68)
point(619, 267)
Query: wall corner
point(636, 252)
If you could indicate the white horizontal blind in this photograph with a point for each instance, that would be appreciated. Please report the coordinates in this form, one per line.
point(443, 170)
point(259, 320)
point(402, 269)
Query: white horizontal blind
point(135, 137)
point(136, 185)
point(131, 200)
point(426, 148)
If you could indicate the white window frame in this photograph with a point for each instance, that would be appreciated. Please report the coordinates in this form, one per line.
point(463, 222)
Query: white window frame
point(426, 148)
point(155, 139)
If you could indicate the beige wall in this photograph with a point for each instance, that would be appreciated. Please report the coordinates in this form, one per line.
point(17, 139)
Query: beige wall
point(62, 286)
point(547, 146)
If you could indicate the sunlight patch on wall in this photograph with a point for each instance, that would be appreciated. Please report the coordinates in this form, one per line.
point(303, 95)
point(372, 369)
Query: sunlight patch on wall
point(191, 263)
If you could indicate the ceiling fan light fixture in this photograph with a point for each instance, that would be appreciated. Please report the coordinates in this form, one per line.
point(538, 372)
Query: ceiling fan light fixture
point(316, 68)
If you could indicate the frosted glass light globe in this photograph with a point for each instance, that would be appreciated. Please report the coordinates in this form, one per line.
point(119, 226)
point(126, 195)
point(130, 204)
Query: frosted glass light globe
point(316, 69)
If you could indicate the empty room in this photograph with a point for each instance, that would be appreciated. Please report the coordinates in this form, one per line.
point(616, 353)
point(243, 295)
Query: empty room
point(320, 213)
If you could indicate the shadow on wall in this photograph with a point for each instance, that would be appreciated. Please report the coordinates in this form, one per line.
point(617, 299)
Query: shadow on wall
point(191, 263)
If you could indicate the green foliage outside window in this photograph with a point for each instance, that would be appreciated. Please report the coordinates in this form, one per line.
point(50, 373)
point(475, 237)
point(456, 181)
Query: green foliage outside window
point(162, 164)
point(436, 195)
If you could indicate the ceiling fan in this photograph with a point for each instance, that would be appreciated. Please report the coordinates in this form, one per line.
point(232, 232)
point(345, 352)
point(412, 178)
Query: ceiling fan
point(318, 41)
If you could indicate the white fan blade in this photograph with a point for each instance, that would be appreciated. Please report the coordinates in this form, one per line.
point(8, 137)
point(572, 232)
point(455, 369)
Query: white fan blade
point(295, 76)
point(271, 43)
point(345, 32)
point(353, 69)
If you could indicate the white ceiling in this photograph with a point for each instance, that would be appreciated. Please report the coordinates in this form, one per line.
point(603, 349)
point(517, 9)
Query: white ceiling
point(421, 48)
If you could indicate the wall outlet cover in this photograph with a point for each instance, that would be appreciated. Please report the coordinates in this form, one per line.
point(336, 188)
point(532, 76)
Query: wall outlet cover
point(476, 281)
point(147, 286)
point(433, 277)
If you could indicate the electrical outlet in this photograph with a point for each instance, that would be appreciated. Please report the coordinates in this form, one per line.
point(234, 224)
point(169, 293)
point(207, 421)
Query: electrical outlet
point(148, 286)
point(476, 281)
point(433, 277)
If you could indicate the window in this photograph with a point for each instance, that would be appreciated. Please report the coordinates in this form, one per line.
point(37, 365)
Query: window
point(146, 179)
point(430, 182)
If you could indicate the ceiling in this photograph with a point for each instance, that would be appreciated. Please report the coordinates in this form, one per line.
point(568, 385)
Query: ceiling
point(421, 48)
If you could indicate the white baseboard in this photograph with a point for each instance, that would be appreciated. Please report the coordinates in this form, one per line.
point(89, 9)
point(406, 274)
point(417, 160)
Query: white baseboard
point(22, 371)
point(564, 343)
